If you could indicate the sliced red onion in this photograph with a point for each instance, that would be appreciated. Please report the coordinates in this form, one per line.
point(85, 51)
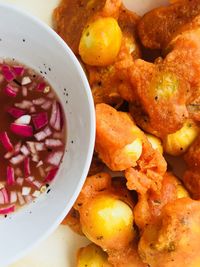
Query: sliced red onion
point(53, 143)
point(58, 135)
point(17, 160)
point(41, 86)
point(43, 134)
point(20, 181)
point(7, 73)
point(28, 199)
point(31, 146)
point(46, 105)
point(51, 95)
point(25, 119)
point(30, 179)
point(5, 140)
point(25, 151)
point(16, 112)
point(40, 146)
point(35, 158)
point(40, 163)
point(53, 114)
point(40, 120)
point(9, 155)
point(37, 184)
point(1, 198)
point(17, 148)
point(27, 170)
point(25, 104)
point(51, 175)
point(54, 158)
point(5, 195)
point(11, 91)
point(26, 80)
point(56, 116)
point(20, 198)
point(10, 176)
point(7, 210)
point(26, 191)
point(13, 197)
point(32, 86)
point(18, 70)
point(24, 91)
point(39, 101)
point(22, 130)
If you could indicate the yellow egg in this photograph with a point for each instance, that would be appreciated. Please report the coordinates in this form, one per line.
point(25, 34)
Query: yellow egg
point(108, 222)
point(100, 42)
point(134, 150)
point(92, 256)
point(177, 143)
point(155, 142)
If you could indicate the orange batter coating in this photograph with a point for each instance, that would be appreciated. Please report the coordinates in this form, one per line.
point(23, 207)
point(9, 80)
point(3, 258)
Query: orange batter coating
point(175, 239)
point(150, 205)
point(71, 17)
point(106, 81)
point(158, 27)
point(73, 221)
point(191, 181)
point(192, 156)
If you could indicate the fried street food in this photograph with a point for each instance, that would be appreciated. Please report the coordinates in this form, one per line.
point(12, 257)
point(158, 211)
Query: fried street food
point(191, 181)
point(71, 17)
point(174, 239)
point(192, 157)
point(150, 205)
point(159, 26)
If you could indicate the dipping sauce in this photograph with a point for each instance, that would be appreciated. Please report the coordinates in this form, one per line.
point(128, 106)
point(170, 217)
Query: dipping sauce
point(32, 135)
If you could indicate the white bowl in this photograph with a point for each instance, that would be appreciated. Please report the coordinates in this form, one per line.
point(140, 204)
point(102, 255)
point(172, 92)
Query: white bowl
point(31, 42)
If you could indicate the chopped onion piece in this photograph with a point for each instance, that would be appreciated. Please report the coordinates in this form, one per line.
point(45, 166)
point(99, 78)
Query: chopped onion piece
point(25, 151)
point(11, 91)
point(32, 109)
point(25, 104)
point(17, 160)
point(13, 197)
point(55, 158)
point(5, 195)
point(46, 105)
point(41, 86)
point(7, 210)
point(51, 175)
point(31, 146)
point(51, 95)
point(16, 112)
point(30, 179)
point(25, 119)
point(24, 91)
point(18, 172)
point(43, 134)
point(20, 198)
point(20, 181)
point(58, 135)
point(40, 163)
point(26, 191)
point(21, 129)
point(2, 202)
point(41, 171)
point(40, 120)
point(9, 155)
point(27, 170)
point(10, 176)
point(7, 73)
point(53, 143)
point(53, 114)
point(17, 148)
point(35, 157)
point(5, 140)
point(18, 70)
point(37, 184)
point(26, 80)
point(36, 193)
point(40, 146)
point(39, 101)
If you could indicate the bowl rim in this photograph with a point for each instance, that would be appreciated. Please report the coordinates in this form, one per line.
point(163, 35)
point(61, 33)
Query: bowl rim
point(92, 125)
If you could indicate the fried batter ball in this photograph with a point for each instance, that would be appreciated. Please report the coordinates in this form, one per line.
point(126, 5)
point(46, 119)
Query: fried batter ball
point(71, 17)
point(149, 206)
point(73, 221)
point(118, 139)
point(175, 239)
point(192, 157)
point(158, 27)
point(191, 181)
point(92, 256)
point(106, 81)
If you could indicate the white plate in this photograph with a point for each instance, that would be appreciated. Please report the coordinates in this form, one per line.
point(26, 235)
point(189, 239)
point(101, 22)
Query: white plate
point(60, 248)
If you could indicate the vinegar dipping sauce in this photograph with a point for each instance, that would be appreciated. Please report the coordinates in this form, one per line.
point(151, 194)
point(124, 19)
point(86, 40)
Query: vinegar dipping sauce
point(32, 135)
